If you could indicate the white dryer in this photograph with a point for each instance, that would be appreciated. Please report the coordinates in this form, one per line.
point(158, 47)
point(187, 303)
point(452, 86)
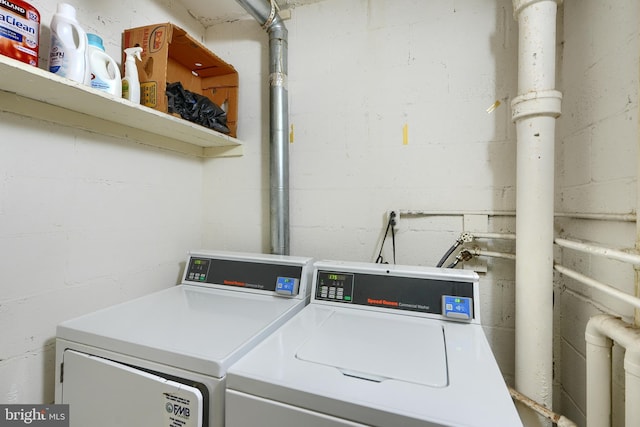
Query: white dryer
point(161, 360)
point(378, 345)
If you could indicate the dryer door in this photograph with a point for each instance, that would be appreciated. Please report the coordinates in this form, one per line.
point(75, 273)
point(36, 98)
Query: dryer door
point(104, 393)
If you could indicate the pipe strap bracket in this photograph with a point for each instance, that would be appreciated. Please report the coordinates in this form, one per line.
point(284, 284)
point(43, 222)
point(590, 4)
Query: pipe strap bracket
point(541, 103)
point(272, 15)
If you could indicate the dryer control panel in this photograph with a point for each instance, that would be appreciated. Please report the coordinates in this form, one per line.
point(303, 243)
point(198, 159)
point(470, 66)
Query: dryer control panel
point(439, 295)
point(278, 277)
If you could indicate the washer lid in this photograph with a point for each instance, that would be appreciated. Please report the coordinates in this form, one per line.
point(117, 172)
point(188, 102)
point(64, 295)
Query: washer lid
point(377, 349)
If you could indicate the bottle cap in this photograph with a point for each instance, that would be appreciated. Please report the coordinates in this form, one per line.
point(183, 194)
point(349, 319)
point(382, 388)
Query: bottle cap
point(95, 40)
point(66, 9)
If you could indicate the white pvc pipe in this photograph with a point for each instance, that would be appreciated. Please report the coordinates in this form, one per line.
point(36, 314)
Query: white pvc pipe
point(630, 217)
point(419, 212)
point(482, 252)
point(619, 217)
point(609, 290)
point(632, 385)
point(599, 250)
point(598, 380)
point(534, 111)
point(504, 236)
point(611, 254)
point(600, 332)
point(534, 272)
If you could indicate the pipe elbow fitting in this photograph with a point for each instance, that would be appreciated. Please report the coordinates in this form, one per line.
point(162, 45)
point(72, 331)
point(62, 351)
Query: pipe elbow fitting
point(603, 329)
point(277, 29)
point(593, 332)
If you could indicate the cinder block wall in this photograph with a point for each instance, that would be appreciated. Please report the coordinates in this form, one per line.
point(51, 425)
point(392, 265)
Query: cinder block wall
point(596, 172)
point(359, 72)
point(85, 220)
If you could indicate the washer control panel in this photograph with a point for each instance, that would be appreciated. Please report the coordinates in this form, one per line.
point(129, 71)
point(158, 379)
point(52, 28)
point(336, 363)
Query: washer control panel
point(437, 294)
point(335, 286)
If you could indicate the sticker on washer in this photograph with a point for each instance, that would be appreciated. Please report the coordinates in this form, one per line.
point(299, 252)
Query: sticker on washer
point(180, 411)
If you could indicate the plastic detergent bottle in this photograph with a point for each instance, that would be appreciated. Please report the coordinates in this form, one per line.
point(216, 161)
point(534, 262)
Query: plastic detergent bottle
point(131, 82)
point(68, 54)
point(105, 74)
point(19, 31)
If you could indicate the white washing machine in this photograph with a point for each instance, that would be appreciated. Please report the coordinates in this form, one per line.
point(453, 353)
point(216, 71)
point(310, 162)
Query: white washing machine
point(161, 360)
point(378, 345)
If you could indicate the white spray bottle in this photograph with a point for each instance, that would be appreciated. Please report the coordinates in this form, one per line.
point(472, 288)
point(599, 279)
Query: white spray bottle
point(130, 81)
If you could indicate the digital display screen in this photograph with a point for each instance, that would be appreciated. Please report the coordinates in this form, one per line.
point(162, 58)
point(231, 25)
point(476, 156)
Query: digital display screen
point(198, 269)
point(334, 286)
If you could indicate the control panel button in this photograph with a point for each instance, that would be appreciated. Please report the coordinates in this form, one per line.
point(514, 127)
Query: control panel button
point(287, 286)
point(334, 286)
point(198, 269)
point(457, 307)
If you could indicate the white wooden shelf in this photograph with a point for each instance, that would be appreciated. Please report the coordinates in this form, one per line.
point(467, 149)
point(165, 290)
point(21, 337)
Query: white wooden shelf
point(33, 92)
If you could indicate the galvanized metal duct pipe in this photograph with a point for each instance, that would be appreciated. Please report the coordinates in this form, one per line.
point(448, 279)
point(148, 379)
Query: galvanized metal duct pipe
point(535, 110)
point(265, 13)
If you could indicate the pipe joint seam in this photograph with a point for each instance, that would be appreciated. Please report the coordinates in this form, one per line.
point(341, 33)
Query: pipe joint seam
point(541, 103)
point(277, 31)
point(598, 340)
point(519, 5)
point(278, 80)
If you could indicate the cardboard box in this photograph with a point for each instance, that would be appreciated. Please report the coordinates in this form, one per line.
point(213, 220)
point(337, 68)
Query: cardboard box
point(171, 55)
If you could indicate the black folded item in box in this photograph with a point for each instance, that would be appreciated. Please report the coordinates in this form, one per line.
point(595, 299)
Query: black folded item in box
point(196, 108)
